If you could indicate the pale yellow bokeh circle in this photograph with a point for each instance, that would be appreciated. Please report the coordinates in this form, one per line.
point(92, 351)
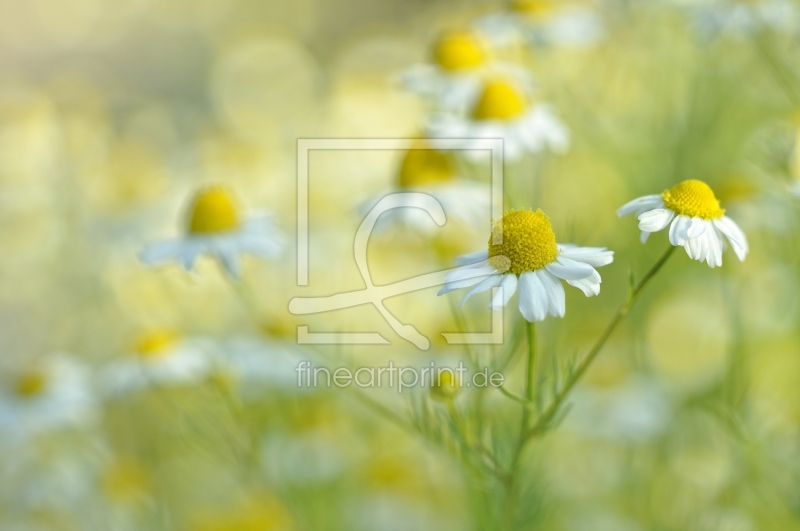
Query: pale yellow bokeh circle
point(688, 335)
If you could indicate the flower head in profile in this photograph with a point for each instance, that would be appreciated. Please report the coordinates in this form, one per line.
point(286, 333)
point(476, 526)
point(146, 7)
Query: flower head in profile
point(522, 252)
point(433, 172)
point(458, 61)
point(542, 23)
point(503, 109)
point(216, 227)
point(158, 357)
point(695, 219)
point(51, 394)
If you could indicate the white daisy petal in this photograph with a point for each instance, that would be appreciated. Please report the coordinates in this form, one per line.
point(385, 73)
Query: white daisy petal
point(655, 220)
point(696, 228)
point(556, 297)
point(463, 283)
point(485, 284)
point(160, 252)
point(714, 257)
point(734, 235)
point(478, 269)
point(533, 301)
point(472, 258)
point(594, 256)
point(640, 205)
point(589, 286)
point(643, 236)
point(507, 287)
point(678, 230)
point(569, 269)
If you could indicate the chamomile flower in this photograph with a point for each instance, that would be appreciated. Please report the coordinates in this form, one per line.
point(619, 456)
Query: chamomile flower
point(432, 172)
point(216, 227)
point(160, 357)
point(695, 219)
point(744, 17)
point(529, 257)
point(503, 110)
point(51, 394)
point(542, 22)
point(452, 78)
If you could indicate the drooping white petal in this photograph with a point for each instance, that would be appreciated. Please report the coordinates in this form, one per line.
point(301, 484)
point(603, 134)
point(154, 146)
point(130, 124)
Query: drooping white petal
point(556, 298)
point(533, 301)
point(714, 239)
point(463, 283)
point(485, 284)
point(507, 287)
point(696, 228)
point(734, 235)
point(472, 258)
point(643, 236)
point(655, 220)
point(640, 205)
point(159, 252)
point(594, 256)
point(478, 269)
point(569, 269)
point(678, 230)
point(589, 286)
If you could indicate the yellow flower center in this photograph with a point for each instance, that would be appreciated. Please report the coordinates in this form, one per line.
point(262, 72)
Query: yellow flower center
point(31, 383)
point(528, 242)
point(500, 100)
point(459, 50)
point(694, 199)
point(213, 210)
point(155, 344)
point(445, 385)
point(125, 480)
point(535, 8)
point(422, 165)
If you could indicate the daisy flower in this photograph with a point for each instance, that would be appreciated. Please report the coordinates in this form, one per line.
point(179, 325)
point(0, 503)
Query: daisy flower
point(160, 357)
point(216, 227)
point(52, 394)
point(452, 78)
point(431, 172)
point(542, 22)
point(503, 110)
point(529, 257)
point(695, 220)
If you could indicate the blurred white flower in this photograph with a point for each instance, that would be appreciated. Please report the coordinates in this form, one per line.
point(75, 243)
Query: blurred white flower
point(743, 16)
point(543, 23)
point(160, 358)
point(696, 221)
point(453, 77)
point(432, 172)
point(529, 256)
point(54, 393)
point(503, 110)
point(216, 227)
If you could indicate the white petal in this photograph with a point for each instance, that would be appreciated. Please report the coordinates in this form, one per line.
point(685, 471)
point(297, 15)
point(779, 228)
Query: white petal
point(556, 299)
point(734, 235)
point(589, 286)
point(160, 252)
point(678, 230)
point(532, 297)
point(463, 283)
point(594, 256)
point(569, 269)
point(697, 227)
point(507, 287)
point(472, 258)
point(655, 220)
point(478, 269)
point(641, 204)
point(714, 257)
point(487, 283)
point(643, 236)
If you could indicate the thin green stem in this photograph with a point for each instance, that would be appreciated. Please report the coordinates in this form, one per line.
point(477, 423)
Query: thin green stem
point(551, 411)
point(531, 369)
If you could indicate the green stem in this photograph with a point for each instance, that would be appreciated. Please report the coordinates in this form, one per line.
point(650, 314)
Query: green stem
point(530, 377)
point(551, 411)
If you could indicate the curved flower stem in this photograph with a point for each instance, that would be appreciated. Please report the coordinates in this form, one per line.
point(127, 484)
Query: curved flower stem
point(551, 411)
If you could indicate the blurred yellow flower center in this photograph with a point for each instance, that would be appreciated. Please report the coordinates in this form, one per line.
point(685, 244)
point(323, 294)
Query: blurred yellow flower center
point(214, 210)
point(528, 242)
point(155, 344)
point(460, 50)
point(500, 100)
point(125, 480)
point(424, 166)
point(30, 384)
point(694, 199)
point(445, 385)
point(536, 8)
